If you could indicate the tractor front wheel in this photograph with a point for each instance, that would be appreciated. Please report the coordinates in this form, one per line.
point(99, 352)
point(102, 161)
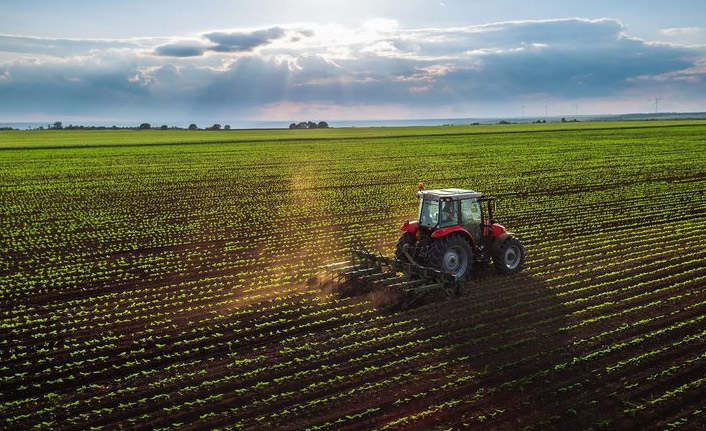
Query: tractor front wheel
point(510, 256)
point(452, 254)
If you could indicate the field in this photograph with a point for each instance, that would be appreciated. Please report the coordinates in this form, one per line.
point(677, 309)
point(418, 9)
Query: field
point(171, 280)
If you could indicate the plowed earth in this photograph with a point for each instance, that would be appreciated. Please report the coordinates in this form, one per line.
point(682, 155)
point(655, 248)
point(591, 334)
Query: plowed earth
point(178, 284)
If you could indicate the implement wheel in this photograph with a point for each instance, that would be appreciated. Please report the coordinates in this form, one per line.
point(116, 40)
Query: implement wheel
point(452, 254)
point(510, 256)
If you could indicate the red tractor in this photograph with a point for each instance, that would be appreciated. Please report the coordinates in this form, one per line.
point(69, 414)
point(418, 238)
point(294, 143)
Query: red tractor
point(436, 253)
point(454, 231)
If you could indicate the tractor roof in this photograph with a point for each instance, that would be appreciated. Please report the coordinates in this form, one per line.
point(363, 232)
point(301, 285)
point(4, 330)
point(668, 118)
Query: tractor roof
point(448, 194)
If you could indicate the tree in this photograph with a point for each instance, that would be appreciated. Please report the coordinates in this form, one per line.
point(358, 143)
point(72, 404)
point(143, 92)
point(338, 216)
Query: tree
point(164, 127)
point(58, 125)
point(215, 127)
point(193, 126)
point(309, 125)
point(145, 126)
point(227, 127)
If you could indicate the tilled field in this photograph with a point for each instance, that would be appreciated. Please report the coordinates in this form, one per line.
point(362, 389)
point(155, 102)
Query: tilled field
point(178, 284)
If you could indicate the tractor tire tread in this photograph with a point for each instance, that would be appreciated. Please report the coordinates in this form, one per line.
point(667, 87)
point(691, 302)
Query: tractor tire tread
point(439, 248)
point(499, 261)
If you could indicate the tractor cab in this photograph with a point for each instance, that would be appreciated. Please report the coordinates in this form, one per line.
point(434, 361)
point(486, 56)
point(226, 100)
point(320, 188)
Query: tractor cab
point(454, 229)
point(446, 208)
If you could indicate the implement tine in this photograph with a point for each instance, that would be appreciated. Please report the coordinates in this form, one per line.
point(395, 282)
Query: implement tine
point(378, 275)
point(351, 267)
point(405, 285)
point(367, 270)
point(392, 280)
point(337, 264)
point(363, 271)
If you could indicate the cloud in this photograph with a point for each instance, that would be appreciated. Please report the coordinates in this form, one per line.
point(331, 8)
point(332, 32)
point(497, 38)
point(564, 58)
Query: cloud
point(466, 71)
point(508, 36)
point(243, 41)
point(62, 47)
point(181, 49)
point(229, 42)
point(81, 88)
point(683, 31)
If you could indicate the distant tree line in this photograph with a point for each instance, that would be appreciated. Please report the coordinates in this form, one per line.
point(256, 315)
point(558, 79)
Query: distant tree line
point(192, 126)
point(58, 125)
point(309, 125)
point(147, 126)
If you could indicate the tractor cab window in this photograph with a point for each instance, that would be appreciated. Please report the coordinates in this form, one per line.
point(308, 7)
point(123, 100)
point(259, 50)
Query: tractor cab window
point(428, 213)
point(438, 213)
point(472, 217)
point(449, 213)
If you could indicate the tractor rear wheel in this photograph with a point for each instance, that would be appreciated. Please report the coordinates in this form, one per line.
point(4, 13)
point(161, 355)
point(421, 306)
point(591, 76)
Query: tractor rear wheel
point(407, 239)
point(452, 254)
point(510, 256)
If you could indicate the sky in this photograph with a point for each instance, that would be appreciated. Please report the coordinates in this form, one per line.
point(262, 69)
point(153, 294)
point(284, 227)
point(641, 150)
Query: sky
point(186, 61)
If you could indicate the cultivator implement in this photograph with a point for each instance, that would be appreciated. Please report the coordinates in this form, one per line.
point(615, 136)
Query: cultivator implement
point(397, 283)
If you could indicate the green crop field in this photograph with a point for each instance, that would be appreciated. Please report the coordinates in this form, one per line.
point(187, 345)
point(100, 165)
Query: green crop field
point(172, 280)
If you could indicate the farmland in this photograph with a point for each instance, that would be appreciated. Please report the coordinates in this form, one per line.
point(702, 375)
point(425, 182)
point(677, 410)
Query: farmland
point(171, 280)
